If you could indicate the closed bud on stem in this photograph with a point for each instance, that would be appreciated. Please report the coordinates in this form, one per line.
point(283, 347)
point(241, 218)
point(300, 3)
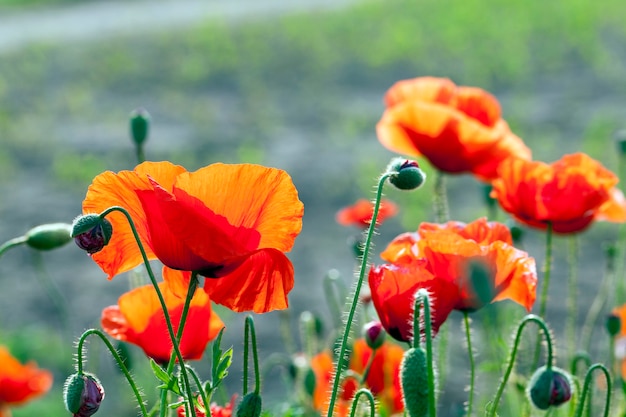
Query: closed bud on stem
point(250, 405)
point(405, 174)
point(414, 379)
point(139, 125)
point(82, 394)
point(91, 232)
point(374, 334)
point(613, 324)
point(49, 236)
point(549, 387)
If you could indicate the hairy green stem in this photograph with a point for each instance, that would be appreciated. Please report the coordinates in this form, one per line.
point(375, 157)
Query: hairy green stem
point(588, 380)
point(370, 398)
point(116, 357)
point(249, 330)
point(543, 302)
point(470, 352)
point(422, 299)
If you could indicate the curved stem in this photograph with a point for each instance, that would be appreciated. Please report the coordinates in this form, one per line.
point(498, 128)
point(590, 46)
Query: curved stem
point(580, 356)
point(366, 371)
point(249, 330)
point(116, 357)
point(513, 354)
point(355, 401)
point(341, 360)
point(166, 314)
point(609, 387)
point(547, 267)
point(470, 352)
point(11, 244)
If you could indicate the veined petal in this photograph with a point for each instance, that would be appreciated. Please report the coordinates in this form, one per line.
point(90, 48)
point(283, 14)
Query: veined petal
point(478, 104)
point(257, 282)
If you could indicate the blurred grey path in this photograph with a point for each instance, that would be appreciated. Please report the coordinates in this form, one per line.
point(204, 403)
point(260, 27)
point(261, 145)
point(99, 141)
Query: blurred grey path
point(98, 20)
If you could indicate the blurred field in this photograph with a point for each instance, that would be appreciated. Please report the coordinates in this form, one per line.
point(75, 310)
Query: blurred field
point(300, 92)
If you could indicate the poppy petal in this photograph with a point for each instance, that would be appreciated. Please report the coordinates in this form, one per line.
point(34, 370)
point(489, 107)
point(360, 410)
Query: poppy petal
point(20, 383)
point(257, 282)
point(429, 89)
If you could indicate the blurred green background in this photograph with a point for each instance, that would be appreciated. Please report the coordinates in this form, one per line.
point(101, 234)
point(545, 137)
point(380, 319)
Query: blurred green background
point(292, 84)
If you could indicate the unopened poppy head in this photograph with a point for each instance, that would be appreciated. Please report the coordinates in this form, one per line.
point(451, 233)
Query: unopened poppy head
point(360, 213)
point(20, 383)
point(458, 129)
point(138, 319)
point(230, 223)
point(569, 194)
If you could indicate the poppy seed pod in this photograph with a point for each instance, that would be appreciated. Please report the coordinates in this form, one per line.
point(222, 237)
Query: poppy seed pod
point(49, 236)
point(549, 387)
point(414, 376)
point(613, 324)
point(91, 232)
point(374, 334)
point(139, 125)
point(82, 394)
point(405, 174)
point(250, 405)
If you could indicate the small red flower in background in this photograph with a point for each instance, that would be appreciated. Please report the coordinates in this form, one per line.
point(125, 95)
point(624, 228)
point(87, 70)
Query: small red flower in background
point(20, 383)
point(440, 258)
point(570, 193)
point(458, 129)
point(230, 223)
point(360, 213)
point(216, 410)
point(138, 319)
point(383, 378)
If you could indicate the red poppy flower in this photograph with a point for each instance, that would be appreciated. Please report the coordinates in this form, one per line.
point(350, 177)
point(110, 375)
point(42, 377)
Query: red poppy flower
point(458, 129)
point(382, 380)
point(138, 319)
point(232, 222)
point(441, 261)
point(216, 410)
point(360, 213)
point(569, 193)
point(20, 383)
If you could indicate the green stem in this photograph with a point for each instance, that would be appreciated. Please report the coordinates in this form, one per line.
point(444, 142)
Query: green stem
point(544, 328)
point(572, 294)
point(249, 330)
point(470, 352)
point(116, 357)
point(547, 267)
point(141, 157)
point(335, 294)
point(580, 356)
point(588, 380)
point(12, 243)
point(440, 198)
point(343, 350)
point(370, 398)
point(196, 379)
point(422, 299)
point(366, 371)
point(166, 314)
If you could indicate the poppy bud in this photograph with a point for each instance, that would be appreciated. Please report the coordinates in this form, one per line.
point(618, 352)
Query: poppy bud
point(613, 324)
point(620, 141)
point(405, 174)
point(139, 125)
point(374, 334)
point(91, 232)
point(49, 236)
point(82, 394)
point(549, 387)
point(517, 233)
point(414, 379)
point(490, 202)
point(250, 405)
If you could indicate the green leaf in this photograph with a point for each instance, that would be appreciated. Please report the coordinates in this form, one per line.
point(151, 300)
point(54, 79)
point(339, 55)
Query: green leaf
point(159, 372)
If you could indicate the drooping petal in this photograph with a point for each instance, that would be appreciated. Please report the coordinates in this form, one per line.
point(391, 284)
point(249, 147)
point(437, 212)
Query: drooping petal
point(109, 189)
point(257, 282)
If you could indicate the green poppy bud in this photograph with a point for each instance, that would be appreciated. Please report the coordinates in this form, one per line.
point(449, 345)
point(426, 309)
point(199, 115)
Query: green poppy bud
point(405, 174)
point(374, 334)
point(91, 232)
point(250, 406)
point(613, 324)
point(139, 125)
point(414, 379)
point(49, 236)
point(549, 387)
point(82, 394)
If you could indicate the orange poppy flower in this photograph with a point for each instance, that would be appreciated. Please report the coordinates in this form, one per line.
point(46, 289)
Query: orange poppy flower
point(569, 193)
point(360, 213)
point(20, 383)
point(383, 379)
point(441, 261)
point(138, 319)
point(215, 410)
point(232, 222)
point(458, 129)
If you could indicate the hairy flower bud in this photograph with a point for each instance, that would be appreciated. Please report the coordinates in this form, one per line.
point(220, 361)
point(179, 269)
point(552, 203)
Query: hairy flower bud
point(374, 334)
point(82, 394)
point(405, 174)
point(414, 379)
point(49, 236)
point(250, 405)
point(549, 387)
point(91, 232)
